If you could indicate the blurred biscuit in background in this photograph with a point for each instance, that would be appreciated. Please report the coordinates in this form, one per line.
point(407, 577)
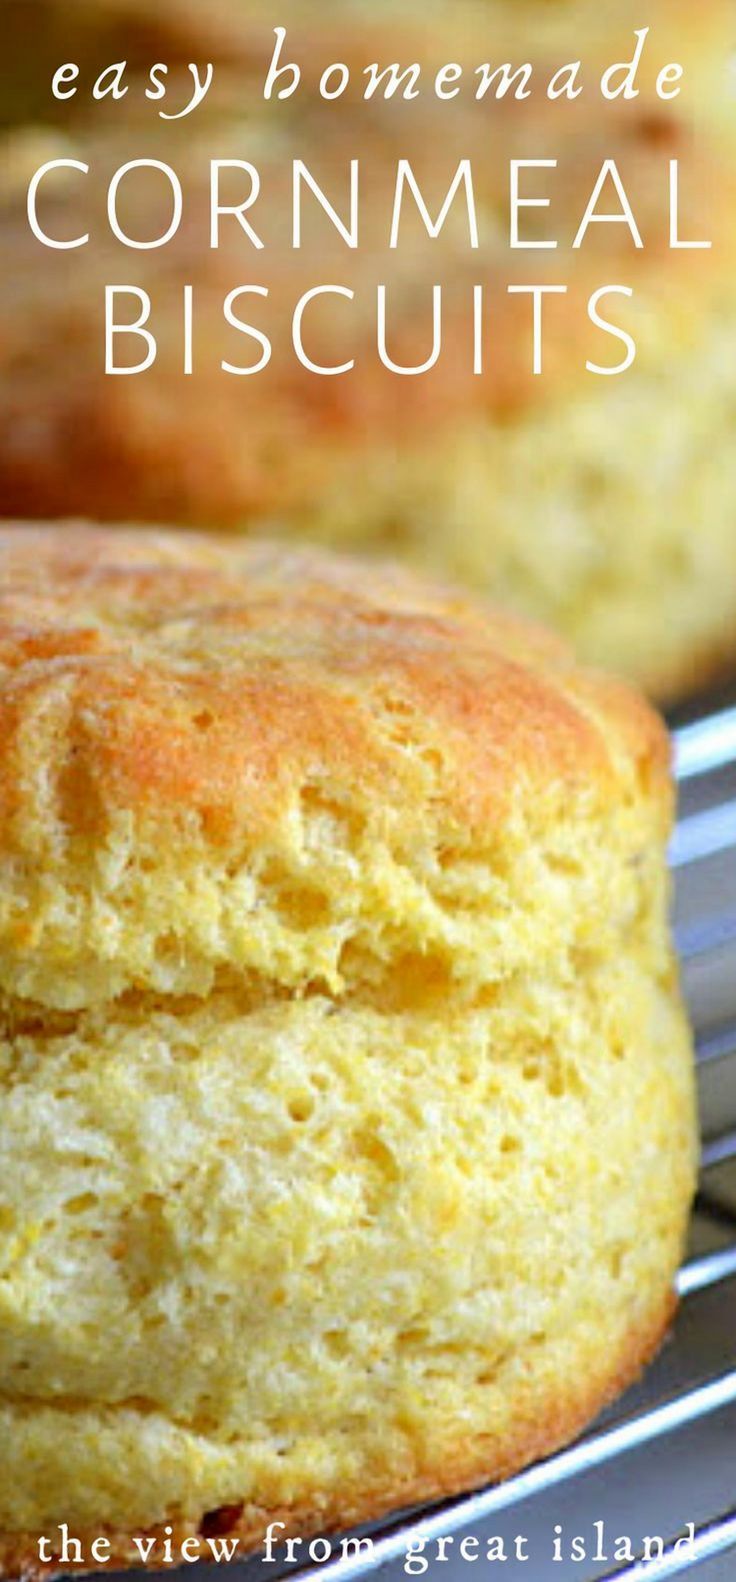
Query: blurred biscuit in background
point(597, 504)
point(604, 506)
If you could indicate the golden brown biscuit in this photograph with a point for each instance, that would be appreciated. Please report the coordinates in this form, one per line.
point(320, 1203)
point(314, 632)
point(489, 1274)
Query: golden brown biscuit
point(347, 1134)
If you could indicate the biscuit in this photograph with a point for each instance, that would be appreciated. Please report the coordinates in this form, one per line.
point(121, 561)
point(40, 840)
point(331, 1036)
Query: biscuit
point(597, 505)
point(347, 1134)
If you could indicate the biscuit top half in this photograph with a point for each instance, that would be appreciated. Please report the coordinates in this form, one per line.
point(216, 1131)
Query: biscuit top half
point(228, 757)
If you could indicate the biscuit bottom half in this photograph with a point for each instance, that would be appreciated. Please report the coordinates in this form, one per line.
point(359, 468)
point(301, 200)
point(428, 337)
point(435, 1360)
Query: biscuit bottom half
point(310, 1260)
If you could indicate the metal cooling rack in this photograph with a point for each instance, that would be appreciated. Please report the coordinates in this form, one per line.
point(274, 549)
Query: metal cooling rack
point(682, 1417)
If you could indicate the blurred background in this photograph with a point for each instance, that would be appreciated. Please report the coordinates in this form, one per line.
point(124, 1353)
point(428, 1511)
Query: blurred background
point(604, 506)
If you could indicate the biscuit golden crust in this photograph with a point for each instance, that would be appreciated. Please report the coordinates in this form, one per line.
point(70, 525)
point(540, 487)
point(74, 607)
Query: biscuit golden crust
point(238, 697)
point(342, 1059)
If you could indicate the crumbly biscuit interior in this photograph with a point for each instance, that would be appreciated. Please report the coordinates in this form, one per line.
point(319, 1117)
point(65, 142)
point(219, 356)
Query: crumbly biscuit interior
point(376, 1196)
